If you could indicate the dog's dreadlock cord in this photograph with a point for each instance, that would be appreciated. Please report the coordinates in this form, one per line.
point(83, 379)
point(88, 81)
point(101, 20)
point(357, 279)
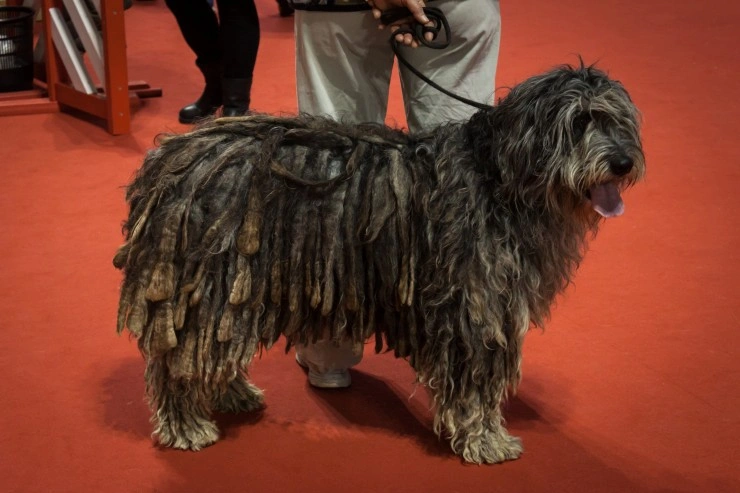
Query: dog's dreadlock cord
point(418, 31)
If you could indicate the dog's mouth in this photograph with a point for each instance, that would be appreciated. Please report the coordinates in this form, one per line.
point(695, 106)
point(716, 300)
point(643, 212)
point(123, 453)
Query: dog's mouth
point(605, 199)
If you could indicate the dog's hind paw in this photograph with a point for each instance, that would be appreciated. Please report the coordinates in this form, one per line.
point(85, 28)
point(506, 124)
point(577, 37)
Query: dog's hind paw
point(241, 397)
point(491, 447)
point(192, 435)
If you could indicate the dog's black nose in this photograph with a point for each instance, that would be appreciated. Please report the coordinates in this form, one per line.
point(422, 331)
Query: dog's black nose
point(620, 166)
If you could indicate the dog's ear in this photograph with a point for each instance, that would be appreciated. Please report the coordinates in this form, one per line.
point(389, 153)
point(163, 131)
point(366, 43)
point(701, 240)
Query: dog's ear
point(482, 137)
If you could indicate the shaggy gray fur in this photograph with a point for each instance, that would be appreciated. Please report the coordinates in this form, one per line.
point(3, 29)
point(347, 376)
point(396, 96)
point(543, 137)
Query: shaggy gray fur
point(445, 247)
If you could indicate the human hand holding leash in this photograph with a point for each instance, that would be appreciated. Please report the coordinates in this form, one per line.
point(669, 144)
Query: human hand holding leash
point(415, 7)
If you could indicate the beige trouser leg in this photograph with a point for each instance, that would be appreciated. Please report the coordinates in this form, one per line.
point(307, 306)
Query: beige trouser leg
point(343, 66)
point(344, 63)
point(467, 67)
point(343, 70)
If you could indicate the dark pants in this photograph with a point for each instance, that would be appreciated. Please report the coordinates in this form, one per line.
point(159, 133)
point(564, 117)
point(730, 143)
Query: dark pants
point(231, 40)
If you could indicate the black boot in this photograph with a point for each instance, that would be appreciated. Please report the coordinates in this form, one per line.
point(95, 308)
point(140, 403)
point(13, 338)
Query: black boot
point(209, 101)
point(236, 96)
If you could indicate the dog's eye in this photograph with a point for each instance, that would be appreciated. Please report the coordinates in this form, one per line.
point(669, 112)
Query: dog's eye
point(580, 123)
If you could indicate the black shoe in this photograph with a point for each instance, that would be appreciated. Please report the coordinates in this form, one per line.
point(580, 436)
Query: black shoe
point(204, 107)
point(235, 96)
point(210, 100)
point(286, 10)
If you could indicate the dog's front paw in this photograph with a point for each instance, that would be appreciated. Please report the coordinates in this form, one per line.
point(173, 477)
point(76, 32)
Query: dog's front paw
point(491, 447)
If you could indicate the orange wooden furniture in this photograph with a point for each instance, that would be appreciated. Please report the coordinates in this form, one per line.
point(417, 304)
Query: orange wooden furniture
point(112, 102)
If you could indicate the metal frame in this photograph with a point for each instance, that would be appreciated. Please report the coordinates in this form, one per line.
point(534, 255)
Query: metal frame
point(71, 58)
point(89, 35)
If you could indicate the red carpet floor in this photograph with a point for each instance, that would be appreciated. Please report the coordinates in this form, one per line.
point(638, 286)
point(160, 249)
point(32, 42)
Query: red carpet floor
point(633, 386)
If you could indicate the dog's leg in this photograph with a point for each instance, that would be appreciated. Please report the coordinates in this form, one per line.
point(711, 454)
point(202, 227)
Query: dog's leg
point(476, 429)
point(182, 414)
point(240, 396)
point(469, 413)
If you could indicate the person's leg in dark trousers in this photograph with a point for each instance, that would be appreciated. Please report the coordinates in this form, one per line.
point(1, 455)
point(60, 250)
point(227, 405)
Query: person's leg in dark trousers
point(200, 28)
point(240, 39)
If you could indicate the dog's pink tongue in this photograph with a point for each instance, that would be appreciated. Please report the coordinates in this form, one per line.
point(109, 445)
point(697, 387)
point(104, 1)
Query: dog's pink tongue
point(606, 201)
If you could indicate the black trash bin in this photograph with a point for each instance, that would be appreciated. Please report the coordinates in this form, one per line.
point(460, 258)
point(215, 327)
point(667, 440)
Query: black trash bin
point(16, 49)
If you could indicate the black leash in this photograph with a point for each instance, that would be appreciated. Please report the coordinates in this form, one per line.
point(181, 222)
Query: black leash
point(418, 31)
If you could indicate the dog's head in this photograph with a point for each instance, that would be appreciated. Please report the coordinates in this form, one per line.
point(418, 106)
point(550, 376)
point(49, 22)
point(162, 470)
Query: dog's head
point(573, 134)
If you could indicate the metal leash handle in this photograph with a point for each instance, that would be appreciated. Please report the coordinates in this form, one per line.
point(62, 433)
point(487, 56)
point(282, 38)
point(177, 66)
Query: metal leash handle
point(418, 31)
